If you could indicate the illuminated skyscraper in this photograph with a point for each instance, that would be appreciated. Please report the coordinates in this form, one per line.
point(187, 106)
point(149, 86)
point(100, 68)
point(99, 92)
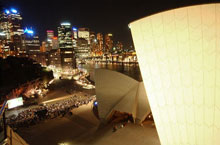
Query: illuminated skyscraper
point(3, 51)
point(93, 44)
point(43, 47)
point(31, 42)
point(100, 44)
point(55, 44)
point(75, 36)
point(83, 49)
point(66, 46)
point(11, 26)
point(108, 43)
point(50, 35)
point(119, 47)
point(75, 31)
point(84, 33)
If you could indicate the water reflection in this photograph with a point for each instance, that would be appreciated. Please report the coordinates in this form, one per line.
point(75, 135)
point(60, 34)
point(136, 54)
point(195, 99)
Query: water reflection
point(130, 70)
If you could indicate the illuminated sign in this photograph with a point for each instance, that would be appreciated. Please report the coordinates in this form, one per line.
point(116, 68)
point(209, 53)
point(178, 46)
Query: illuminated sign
point(74, 29)
point(28, 31)
point(14, 10)
point(50, 31)
point(65, 24)
point(7, 11)
point(15, 102)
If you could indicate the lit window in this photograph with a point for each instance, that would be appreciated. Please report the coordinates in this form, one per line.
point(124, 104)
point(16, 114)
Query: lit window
point(67, 59)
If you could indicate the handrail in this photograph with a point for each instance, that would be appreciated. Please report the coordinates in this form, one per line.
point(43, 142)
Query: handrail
point(3, 108)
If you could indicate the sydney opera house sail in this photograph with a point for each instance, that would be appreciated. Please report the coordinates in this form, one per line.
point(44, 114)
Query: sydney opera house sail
point(179, 56)
point(118, 92)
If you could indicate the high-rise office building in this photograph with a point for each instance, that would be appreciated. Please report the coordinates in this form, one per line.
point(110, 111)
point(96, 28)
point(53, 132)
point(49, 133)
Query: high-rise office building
point(100, 44)
point(3, 47)
point(93, 44)
point(108, 43)
point(75, 32)
point(66, 46)
point(49, 44)
point(43, 47)
point(82, 50)
point(55, 44)
point(119, 47)
point(84, 33)
point(50, 34)
point(54, 58)
point(75, 37)
point(31, 43)
point(11, 27)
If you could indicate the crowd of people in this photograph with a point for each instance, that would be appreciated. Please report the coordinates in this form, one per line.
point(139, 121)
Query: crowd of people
point(47, 111)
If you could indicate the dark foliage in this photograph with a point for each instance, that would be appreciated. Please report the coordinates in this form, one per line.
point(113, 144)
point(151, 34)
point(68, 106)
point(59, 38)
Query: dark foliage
point(16, 71)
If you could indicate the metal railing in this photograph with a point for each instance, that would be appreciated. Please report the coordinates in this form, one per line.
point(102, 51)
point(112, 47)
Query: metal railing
point(3, 127)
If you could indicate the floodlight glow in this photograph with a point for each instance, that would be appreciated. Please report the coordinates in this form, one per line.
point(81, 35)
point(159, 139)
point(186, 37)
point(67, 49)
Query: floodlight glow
point(7, 11)
point(65, 24)
point(178, 54)
point(14, 10)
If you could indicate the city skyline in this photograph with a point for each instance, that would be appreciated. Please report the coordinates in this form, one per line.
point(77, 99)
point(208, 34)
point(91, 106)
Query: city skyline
point(101, 17)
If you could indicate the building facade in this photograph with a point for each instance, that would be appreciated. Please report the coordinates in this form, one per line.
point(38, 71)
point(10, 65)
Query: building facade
point(49, 42)
point(30, 42)
point(66, 46)
point(100, 42)
point(11, 27)
point(84, 33)
point(82, 50)
point(108, 43)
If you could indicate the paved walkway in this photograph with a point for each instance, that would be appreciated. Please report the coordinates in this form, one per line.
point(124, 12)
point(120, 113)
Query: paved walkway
point(81, 128)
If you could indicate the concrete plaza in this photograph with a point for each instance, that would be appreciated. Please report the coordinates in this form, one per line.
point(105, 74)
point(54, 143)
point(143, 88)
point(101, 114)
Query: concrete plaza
point(81, 128)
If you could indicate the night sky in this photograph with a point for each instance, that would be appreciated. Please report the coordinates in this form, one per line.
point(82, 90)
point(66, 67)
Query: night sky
point(100, 16)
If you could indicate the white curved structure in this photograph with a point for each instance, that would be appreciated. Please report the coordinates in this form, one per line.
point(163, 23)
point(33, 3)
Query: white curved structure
point(179, 56)
point(118, 92)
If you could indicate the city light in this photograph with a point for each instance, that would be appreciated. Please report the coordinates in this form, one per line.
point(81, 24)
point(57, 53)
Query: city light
point(49, 40)
point(7, 11)
point(65, 24)
point(95, 103)
point(2, 34)
point(74, 29)
point(14, 10)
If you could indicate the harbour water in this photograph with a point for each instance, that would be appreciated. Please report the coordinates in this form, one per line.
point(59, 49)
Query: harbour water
point(131, 70)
